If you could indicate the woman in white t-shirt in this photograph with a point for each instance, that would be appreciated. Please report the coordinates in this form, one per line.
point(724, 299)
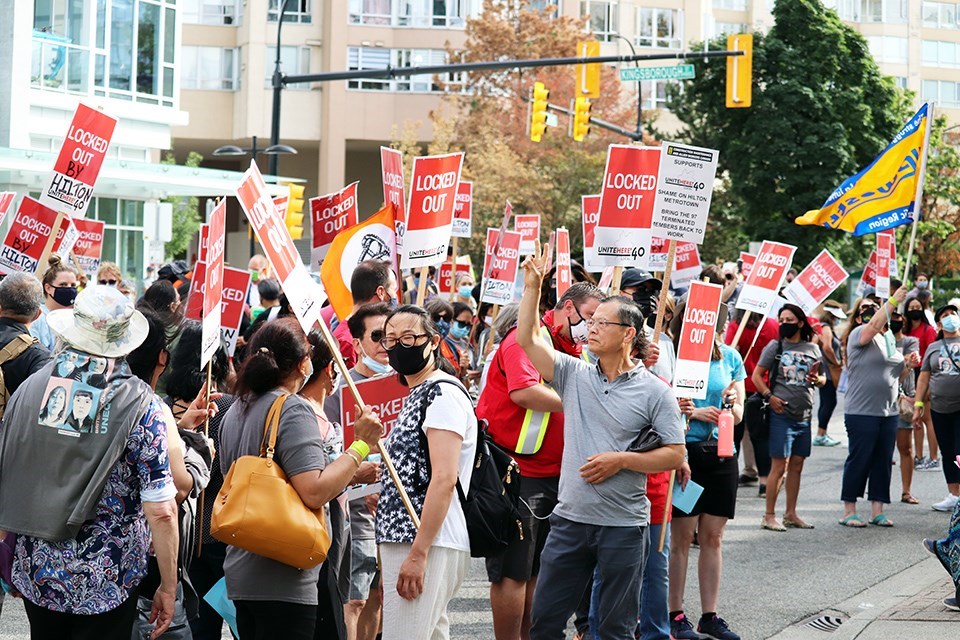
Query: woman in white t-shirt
point(433, 444)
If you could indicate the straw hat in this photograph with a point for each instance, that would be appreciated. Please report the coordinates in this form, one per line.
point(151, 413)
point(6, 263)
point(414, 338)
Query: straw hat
point(102, 322)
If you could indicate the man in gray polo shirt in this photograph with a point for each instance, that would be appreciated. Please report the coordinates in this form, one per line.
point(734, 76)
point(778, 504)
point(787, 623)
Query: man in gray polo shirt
point(620, 423)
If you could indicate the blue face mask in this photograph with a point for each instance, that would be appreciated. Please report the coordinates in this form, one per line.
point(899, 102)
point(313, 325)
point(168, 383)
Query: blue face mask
point(443, 326)
point(951, 324)
point(374, 365)
point(466, 291)
point(459, 333)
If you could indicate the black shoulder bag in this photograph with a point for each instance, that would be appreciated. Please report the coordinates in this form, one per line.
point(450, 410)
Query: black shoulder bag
point(757, 408)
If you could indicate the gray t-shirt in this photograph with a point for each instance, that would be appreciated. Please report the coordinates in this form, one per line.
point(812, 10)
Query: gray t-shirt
point(908, 344)
point(942, 360)
point(299, 449)
point(873, 374)
point(602, 416)
point(667, 362)
point(791, 384)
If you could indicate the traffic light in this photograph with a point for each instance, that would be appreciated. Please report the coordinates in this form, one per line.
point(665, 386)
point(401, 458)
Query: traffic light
point(581, 119)
point(538, 116)
point(588, 75)
point(294, 217)
point(740, 71)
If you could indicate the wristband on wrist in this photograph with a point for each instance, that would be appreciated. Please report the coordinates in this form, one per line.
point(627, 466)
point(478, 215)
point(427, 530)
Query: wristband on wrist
point(353, 455)
point(767, 395)
point(918, 403)
point(361, 448)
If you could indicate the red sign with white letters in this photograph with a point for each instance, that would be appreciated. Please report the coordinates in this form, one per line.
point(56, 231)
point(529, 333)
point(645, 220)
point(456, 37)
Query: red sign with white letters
point(696, 340)
point(746, 263)
point(463, 211)
point(817, 281)
point(766, 277)
point(331, 214)
point(446, 270)
point(528, 226)
point(386, 395)
point(626, 205)
point(501, 271)
point(563, 262)
point(89, 245)
point(23, 247)
point(213, 282)
point(6, 201)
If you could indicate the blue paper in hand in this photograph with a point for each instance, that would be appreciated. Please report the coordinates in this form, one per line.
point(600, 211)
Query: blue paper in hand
point(686, 499)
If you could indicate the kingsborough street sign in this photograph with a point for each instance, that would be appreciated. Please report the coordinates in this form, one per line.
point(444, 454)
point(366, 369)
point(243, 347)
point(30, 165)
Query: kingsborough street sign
point(676, 72)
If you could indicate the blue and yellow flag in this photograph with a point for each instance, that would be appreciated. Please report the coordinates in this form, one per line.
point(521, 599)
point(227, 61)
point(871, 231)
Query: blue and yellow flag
point(882, 195)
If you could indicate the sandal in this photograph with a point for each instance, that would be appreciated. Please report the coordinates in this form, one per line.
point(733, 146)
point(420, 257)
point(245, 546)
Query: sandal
point(853, 521)
point(771, 526)
point(909, 499)
point(796, 524)
point(881, 520)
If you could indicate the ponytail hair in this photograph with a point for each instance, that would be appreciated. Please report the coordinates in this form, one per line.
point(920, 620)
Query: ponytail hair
point(55, 268)
point(274, 353)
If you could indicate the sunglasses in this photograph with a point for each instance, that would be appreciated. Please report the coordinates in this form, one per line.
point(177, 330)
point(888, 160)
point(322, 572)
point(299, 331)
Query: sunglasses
point(463, 324)
point(377, 335)
point(110, 282)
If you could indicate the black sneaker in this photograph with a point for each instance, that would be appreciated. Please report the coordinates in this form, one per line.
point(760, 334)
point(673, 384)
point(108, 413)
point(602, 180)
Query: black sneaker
point(746, 480)
point(717, 629)
point(681, 629)
point(762, 493)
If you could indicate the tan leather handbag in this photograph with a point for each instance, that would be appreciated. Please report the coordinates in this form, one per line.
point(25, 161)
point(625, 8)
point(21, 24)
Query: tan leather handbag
point(258, 510)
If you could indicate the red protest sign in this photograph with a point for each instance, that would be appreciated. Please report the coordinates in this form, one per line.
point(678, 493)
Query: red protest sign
point(27, 237)
point(384, 394)
point(433, 192)
point(817, 281)
point(70, 185)
point(89, 245)
point(686, 265)
point(626, 205)
point(766, 277)
point(391, 167)
point(331, 214)
point(590, 209)
point(446, 270)
point(884, 256)
point(563, 262)
point(6, 201)
point(696, 340)
point(235, 284)
point(213, 282)
point(502, 270)
point(67, 236)
point(658, 254)
point(894, 268)
point(528, 226)
point(463, 211)
point(304, 294)
point(746, 263)
point(869, 276)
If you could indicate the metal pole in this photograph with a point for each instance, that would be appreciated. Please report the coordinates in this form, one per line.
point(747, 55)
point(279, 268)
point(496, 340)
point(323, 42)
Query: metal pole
point(277, 88)
point(253, 241)
point(633, 52)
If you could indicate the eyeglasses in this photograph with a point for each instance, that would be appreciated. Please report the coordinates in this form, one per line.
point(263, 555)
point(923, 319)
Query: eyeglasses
point(603, 324)
point(377, 335)
point(408, 341)
point(112, 283)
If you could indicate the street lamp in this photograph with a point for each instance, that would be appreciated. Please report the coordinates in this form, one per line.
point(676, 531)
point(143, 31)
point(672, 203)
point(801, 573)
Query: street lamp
point(633, 52)
point(277, 88)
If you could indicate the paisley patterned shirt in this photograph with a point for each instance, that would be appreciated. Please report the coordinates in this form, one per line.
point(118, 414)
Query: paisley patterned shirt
point(99, 569)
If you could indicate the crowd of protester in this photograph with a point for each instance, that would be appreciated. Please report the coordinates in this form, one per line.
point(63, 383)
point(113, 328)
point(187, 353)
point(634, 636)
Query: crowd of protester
point(121, 442)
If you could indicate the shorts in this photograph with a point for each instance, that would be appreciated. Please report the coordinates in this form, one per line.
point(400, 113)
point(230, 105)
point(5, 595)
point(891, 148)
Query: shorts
point(717, 476)
point(521, 560)
point(789, 437)
point(364, 573)
point(904, 425)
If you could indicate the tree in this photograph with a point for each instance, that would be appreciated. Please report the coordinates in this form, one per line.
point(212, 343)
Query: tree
point(186, 213)
point(938, 239)
point(821, 111)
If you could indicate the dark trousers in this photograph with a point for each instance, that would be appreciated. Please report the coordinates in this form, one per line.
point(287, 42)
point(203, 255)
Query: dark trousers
point(273, 620)
point(759, 433)
point(116, 624)
point(205, 572)
point(330, 623)
point(872, 440)
point(947, 428)
point(572, 552)
point(828, 402)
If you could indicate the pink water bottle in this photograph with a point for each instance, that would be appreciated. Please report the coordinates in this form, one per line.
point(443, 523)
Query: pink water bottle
point(725, 435)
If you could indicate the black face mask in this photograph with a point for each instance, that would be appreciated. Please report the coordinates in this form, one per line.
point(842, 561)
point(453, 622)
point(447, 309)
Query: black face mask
point(915, 314)
point(647, 302)
point(787, 331)
point(64, 296)
point(896, 326)
point(408, 361)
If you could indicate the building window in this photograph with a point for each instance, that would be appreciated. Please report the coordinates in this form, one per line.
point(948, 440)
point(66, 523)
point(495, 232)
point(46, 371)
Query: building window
point(940, 15)
point(122, 234)
point(848, 10)
point(659, 28)
point(378, 58)
point(943, 92)
point(728, 28)
point(297, 11)
point(938, 53)
point(730, 5)
point(208, 68)
point(653, 93)
point(216, 12)
point(900, 81)
point(887, 11)
point(293, 61)
point(601, 19)
point(443, 14)
point(888, 48)
point(121, 49)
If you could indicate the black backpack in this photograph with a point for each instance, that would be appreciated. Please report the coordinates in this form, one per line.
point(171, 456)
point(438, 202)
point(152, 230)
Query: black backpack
point(492, 506)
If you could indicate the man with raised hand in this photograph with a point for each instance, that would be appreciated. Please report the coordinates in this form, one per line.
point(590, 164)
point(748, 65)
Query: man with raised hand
point(620, 423)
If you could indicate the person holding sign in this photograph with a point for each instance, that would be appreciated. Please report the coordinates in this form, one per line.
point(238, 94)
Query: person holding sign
point(620, 423)
point(718, 477)
point(790, 395)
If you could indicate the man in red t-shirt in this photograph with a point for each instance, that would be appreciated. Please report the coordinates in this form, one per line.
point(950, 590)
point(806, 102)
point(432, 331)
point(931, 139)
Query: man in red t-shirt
point(372, 281)
point(526, 418)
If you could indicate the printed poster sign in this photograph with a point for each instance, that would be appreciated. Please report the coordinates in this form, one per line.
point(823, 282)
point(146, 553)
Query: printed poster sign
point(869, 276)
point(384, 394)
point(684, 190)
point(305, 295)
point(817, 281)
point(766, 277)
point(213, 283)
point(696, 340)
point(70, 185)
point(89, 245)
point(433, 193)
point(27, 237)
point(563, 275)
point(590, 207)
point(746, 263)
point(502, 269)
point(391, 168)
point(6, 201)
point(658, 254)
point(686, 265)
point(331, 214)
point(67, 236)
point(463, 211)
point(894, 267)
point(235, 285)
point(446, 271)
point(626, 206)
point(528, 226)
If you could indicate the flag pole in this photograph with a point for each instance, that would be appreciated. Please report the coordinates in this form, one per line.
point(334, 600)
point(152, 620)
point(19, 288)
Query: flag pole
point(919, 193)
point(657, 328)
point(453, 269)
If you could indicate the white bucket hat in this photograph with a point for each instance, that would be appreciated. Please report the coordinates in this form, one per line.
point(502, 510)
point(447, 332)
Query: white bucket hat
point(102, 322)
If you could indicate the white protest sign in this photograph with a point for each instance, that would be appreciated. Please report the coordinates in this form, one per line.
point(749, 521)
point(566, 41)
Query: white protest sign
point(684, 190)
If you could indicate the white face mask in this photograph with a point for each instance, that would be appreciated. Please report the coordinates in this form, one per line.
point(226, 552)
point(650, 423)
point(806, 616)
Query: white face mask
point(307, 375)
point(578, 331)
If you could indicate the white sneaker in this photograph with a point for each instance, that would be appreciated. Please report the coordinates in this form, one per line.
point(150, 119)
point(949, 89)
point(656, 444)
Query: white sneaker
point(947, 504)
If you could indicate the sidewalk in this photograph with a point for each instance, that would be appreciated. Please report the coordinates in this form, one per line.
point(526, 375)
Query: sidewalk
point(908, 605)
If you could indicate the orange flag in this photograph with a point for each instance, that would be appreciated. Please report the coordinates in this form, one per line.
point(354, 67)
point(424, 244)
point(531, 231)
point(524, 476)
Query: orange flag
point(373, 239)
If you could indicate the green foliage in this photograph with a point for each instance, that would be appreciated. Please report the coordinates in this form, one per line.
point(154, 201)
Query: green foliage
point(186, 213)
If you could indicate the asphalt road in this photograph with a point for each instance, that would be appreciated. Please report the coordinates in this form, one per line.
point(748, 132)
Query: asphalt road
point(770, 580)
